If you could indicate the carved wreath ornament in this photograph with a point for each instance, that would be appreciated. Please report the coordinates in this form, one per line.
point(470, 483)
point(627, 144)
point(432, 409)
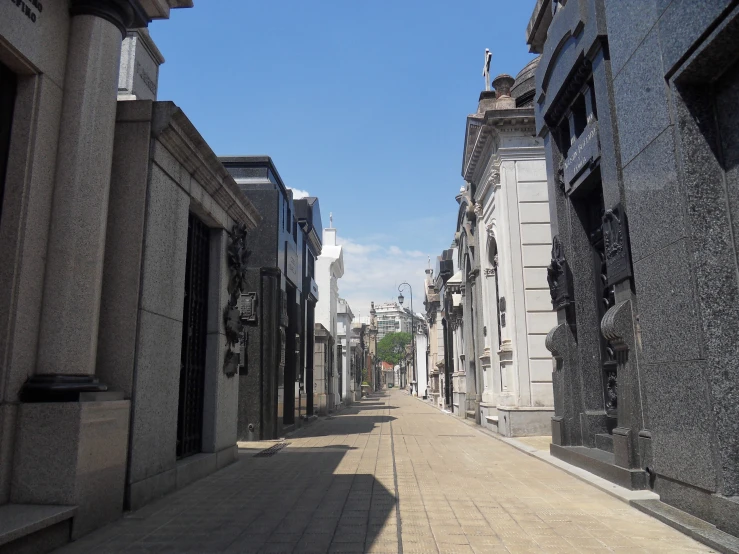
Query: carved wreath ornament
point(237, 256)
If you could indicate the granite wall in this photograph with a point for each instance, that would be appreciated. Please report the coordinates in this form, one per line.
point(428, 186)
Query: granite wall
point(676, 85)
point(152, 194)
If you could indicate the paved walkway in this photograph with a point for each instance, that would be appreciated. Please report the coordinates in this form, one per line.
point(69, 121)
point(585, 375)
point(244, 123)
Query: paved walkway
point(389, 474)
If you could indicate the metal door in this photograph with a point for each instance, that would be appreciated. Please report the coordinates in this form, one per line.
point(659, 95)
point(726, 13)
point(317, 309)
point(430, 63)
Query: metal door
point(194, 333)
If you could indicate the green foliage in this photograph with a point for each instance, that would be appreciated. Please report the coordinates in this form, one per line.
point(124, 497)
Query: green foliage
point(391, 348)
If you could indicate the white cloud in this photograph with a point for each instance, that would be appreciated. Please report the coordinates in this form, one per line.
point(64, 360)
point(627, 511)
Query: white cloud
point(372, 272)
point(297, 193)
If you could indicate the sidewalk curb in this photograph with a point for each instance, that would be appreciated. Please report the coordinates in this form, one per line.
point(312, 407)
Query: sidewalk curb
point(645, 501)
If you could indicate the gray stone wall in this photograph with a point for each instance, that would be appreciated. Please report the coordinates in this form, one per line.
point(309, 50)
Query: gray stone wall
point(141, 323)
point(667, 57)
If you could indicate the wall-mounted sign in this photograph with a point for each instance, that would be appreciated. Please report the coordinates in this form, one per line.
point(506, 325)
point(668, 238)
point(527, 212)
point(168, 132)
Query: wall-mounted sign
point(583, 156)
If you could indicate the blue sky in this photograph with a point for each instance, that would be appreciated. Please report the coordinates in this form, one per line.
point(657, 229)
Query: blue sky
point(362, 104)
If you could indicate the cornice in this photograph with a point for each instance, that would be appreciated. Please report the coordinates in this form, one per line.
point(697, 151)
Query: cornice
point(494, 123)
point(180, 137)
point(124, 14)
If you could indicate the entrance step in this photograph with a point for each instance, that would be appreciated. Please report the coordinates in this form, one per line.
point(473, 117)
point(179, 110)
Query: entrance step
point(34, 528)
point(470, 414)
point(600, 463)
point(492, 419)
point(604, 442)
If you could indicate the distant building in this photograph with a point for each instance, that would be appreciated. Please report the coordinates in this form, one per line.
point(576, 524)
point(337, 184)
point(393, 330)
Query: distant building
point(345, 317)
point(393, 318)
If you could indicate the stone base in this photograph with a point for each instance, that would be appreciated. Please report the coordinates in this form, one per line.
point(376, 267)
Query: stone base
point(186, 471)
point(73, 454)
point(320, 404)
point(721, 511)
point(692, 526)
point(34, 529)
point(517, 422)
point(600, 463)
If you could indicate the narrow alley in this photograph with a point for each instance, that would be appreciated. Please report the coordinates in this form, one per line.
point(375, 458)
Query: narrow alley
point(389, 474)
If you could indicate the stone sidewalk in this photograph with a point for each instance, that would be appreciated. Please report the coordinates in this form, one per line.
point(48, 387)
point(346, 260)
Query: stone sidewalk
point(389, 474)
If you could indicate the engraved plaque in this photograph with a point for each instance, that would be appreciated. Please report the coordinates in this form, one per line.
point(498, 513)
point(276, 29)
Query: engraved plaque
point(248, 307)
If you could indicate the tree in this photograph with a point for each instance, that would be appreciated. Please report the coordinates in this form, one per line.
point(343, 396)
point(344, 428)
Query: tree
point(391, 348)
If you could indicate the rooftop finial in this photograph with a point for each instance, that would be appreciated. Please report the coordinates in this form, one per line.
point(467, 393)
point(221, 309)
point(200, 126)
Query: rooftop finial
point(331, 220)
point(486, 68)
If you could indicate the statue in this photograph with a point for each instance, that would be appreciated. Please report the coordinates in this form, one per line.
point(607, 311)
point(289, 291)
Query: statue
point(486, 68)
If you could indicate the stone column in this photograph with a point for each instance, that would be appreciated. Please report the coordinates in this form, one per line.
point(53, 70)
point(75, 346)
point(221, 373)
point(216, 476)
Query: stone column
point(73, 283)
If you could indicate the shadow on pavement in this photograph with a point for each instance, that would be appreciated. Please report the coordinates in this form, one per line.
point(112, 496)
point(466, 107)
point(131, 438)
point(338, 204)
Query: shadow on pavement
point(300, 499)
point(345, 423)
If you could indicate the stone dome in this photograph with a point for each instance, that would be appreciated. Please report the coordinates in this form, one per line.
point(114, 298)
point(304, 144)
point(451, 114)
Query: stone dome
point(525, 87)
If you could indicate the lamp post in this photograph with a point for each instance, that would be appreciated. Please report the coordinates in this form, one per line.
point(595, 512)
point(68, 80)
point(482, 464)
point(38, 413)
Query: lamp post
point(413, 331)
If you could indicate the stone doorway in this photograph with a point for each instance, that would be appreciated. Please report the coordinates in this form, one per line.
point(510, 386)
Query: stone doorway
point(194, 334)
point(8, 87)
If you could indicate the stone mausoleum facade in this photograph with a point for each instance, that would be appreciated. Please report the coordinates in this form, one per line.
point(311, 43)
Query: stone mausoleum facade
point(636, 105)
point(506, 220)
point(281, 293)
point(122, 244)
point(487, 302)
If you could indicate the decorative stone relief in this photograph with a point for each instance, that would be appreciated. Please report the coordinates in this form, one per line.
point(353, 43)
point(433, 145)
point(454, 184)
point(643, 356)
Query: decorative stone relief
point(558, 277)
point(237, 256)
point(615, 239)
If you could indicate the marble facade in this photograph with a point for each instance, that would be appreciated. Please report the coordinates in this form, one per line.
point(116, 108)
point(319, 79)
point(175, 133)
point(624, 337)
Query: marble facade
point(487, 300)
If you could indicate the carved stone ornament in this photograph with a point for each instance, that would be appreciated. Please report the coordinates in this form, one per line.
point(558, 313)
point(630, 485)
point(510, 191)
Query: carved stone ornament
point(616, 244)
point(559, 175)
point(478, 210)
point(494, 178)
point(236, 256)
point(558, 277)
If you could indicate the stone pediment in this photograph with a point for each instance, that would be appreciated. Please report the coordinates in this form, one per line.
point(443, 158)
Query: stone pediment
point(483, 132)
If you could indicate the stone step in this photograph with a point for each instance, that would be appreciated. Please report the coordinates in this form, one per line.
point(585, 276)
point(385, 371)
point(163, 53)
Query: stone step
point(492, 419)
point(604, 442)
point(39, 528)
point(470, 414)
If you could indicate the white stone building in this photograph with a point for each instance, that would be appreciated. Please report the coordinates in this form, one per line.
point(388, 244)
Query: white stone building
point(329, 269)
point(506, 164)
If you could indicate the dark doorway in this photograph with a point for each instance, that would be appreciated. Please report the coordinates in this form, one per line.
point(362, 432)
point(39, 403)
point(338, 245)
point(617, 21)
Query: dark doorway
point(194, 333)
point(292, 356)
point(592, 209)
point(448, 362)
point(8, 88)
point(309, 353)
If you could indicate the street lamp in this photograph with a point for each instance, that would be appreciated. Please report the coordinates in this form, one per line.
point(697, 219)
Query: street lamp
point(413, 332)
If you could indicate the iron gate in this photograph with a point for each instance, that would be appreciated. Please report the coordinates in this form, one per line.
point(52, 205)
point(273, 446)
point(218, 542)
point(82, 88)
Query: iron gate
point(194, 333)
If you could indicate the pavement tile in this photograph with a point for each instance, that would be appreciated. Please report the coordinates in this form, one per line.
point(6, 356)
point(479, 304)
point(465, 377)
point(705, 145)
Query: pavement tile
point(453, 489)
